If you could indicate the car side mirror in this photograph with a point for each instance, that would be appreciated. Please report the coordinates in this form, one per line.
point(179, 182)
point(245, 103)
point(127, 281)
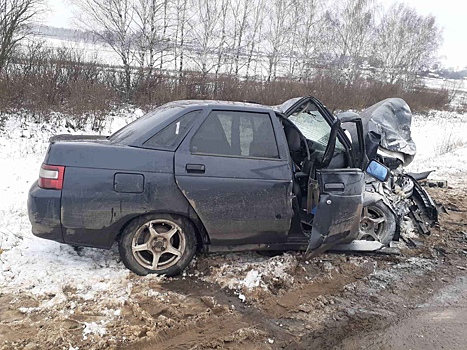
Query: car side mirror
point(378, 171)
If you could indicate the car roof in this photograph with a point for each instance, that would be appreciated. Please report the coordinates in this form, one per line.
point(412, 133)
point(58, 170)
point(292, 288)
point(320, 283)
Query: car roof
point(163, 115)
point(216, 103)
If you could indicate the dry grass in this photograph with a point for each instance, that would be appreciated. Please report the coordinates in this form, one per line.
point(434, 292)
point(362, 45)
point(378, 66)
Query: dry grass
point(43, 80)
point(449, 142)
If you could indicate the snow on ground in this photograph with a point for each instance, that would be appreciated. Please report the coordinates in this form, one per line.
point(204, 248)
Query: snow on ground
point(40, 267)
point(246, 271)
point(441, 140)
point(449, 84)
point(34, 265)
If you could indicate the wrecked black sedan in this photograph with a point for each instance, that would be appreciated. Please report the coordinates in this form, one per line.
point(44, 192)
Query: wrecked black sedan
point(206, 176)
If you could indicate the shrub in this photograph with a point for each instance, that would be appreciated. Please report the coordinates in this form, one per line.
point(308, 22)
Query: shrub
point(41, 80)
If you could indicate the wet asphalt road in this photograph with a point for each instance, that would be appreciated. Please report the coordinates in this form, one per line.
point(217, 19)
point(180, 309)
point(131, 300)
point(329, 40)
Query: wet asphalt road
point(441, 323)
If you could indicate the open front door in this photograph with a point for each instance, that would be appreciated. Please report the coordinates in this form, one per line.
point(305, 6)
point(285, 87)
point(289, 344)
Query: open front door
point(336, 195)
point(339, 209)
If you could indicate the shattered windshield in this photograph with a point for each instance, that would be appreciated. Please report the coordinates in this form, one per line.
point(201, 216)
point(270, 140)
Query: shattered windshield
point(312, 124)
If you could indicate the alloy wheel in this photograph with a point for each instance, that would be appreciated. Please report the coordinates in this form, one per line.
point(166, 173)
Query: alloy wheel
point(372, 224)
point(158, 244)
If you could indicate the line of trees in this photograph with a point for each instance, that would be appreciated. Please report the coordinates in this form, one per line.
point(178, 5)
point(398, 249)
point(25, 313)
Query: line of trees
point(259, 39)
point(43, 80)
point(349, 53)
point(345, 39)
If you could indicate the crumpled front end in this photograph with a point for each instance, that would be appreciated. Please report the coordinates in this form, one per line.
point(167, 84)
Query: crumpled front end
point(406, 198)
point(392, 119)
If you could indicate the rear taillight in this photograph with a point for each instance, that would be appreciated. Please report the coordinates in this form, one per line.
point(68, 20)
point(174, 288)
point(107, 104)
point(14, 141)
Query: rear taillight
point(51, 176)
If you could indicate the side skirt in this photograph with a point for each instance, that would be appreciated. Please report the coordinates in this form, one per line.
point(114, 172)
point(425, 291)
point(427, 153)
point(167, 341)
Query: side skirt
point(355, 246)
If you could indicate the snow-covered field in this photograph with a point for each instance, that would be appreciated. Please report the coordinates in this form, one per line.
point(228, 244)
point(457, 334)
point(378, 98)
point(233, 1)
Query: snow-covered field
point(44, 268)
point(441, 140)
point(104, 54)
point(437, 83)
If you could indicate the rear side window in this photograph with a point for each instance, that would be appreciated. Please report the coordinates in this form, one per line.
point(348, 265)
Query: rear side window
point(238, 134)
point(171, 136)
point(133, 131)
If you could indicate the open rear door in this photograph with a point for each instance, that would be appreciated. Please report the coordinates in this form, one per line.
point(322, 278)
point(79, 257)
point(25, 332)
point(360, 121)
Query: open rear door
point(338, 213)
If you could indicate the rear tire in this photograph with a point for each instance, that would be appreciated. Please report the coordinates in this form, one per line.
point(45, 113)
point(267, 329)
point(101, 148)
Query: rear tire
point(378, 223)
point(163, 244)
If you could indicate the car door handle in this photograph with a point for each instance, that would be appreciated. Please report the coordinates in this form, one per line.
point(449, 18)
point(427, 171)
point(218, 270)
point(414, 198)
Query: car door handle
point(334, 186)
point(195, 168)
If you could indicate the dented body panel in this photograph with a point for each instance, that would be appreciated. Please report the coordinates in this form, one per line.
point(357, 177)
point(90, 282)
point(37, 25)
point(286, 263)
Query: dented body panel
point(336, 218)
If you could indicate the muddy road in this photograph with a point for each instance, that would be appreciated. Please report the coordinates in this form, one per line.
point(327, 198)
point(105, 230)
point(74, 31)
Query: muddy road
point(415, 300)
point(439, 323)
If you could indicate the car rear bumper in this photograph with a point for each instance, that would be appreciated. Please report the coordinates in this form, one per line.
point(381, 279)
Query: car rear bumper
point(44, 213)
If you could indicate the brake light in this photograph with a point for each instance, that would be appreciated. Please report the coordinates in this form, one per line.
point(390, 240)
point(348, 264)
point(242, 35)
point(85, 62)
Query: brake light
point(51, 176)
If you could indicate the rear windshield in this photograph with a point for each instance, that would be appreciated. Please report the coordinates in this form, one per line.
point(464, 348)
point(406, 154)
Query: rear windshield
point(137, 128)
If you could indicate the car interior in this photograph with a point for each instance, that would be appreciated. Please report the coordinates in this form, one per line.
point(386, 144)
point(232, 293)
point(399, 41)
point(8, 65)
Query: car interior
point(303, 168)
point(307, 134)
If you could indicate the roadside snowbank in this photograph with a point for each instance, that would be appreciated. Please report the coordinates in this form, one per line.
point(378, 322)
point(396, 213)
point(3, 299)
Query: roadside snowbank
point(34, 265)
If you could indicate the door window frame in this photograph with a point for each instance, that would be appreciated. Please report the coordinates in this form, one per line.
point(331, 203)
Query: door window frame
point(329, 117)
point(282, 156)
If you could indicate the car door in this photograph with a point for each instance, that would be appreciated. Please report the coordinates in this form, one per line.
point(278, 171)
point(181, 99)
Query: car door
point(236, 177)
point(340, 190)
point(338, 213)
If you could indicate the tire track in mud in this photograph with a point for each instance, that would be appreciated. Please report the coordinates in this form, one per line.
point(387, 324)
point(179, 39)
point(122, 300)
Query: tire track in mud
point(230, 321)
point(208, 331)
point(270, 319)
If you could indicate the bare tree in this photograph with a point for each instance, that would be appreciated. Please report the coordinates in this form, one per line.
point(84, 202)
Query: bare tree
point(165, 6)
point(350, 29)
point(151, 25)
point(114, 22)
point(241, 17)
point(222, 44)
point(180, 16)
point(15, 15)
point(253, 35)
point(203, 34)
point(406, 43)
point(277, 34)
point(309, 40)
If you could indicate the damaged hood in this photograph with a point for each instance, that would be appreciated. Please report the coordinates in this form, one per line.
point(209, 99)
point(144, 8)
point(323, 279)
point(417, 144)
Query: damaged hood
point(391, 118)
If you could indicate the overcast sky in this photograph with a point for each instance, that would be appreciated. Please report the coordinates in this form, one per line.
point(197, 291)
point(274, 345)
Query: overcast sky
point(450, 14)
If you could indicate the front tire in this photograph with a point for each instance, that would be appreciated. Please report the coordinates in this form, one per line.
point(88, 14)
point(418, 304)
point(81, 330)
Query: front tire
point(378, 223)
point(162, 244)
